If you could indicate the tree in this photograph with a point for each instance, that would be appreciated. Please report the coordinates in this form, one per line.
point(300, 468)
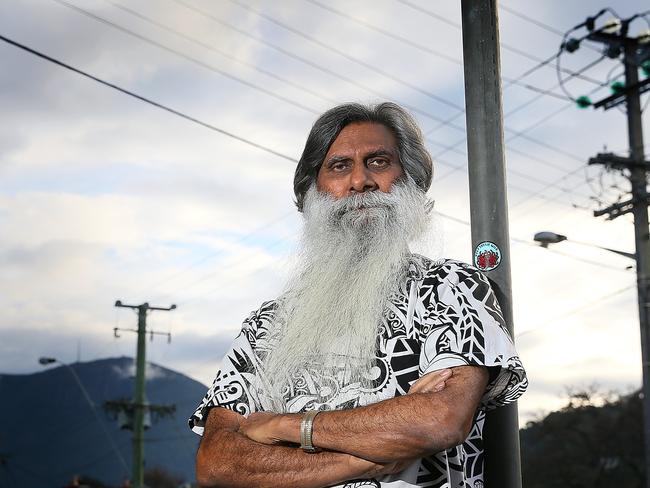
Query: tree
point(160, 478)
point(594, 441)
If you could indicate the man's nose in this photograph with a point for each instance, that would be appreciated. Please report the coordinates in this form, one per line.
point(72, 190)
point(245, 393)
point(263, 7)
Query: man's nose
point(361, 179)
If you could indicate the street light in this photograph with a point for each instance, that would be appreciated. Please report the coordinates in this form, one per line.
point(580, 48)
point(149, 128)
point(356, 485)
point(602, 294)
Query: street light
point(45, 361)
point(546, 237)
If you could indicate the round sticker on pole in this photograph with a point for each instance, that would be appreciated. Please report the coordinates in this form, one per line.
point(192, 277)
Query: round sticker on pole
point(487, 256)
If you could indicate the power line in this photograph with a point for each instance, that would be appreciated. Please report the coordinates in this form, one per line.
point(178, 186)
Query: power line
point(157, 104)
point(589, 305)
point(454, 148)
point(209, 275)
point(530, 71)
point(275, 47)
point(546, 92)
point(201, 63)
point(523, 175)
point(310, 63)
point(530, 193)
point(225, 54)
point(531, 20)
point(213, 254)
point(422, 47)
point(552, 184)
point(326, 46)
point(209, 47)
point(432, 14)
point(186, 57)
point(508, 47)
point(541, 93)
point(354, 59)
point(387, 33)
point(563, 177)
point(546, 145)
point(320, 43)
point(538, 23)
point(146, 100)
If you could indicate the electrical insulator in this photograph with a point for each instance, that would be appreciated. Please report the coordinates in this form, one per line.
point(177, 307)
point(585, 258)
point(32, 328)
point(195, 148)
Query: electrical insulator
point(571, 45)
point(612, 26)
point(644, 37)
point(612, 51)
point(617, 87)
point(645, 67)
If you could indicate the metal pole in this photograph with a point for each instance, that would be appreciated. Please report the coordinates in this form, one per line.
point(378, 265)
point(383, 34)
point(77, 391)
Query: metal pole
point(640, 212)
point(489, 209)
point(138, 399)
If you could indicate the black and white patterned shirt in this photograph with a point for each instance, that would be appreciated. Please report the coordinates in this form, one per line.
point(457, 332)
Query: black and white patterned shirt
point(444, 315)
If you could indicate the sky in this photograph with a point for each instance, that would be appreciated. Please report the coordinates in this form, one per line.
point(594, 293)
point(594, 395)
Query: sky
point(104, 197)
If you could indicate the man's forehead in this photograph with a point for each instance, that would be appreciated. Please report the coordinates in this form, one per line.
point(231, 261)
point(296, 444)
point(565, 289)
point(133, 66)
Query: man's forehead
point(365, 137)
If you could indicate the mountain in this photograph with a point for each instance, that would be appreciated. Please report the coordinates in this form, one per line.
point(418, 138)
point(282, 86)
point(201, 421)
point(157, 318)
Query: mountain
point(49, 432)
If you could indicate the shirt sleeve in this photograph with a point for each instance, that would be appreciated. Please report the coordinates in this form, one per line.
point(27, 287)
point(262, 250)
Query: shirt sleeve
point(465, 326)
point(236, 385)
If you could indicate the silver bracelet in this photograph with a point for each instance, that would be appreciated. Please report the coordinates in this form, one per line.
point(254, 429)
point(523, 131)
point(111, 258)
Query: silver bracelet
point(306, 431)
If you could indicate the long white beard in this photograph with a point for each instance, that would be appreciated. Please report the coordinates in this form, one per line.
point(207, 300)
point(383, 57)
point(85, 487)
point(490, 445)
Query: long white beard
point(354, 255)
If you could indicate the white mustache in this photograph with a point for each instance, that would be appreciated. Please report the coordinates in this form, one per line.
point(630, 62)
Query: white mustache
point(374, 200)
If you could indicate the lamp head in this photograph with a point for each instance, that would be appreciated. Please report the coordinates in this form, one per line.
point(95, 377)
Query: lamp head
point(545, 238)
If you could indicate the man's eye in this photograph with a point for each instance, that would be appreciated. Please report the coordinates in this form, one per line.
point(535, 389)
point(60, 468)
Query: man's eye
point(339, 166)
point(378, 163)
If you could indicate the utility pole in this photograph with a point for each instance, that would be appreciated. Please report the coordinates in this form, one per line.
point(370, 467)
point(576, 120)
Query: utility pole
point(139, 405)
point(635, 51)
point(489, 210)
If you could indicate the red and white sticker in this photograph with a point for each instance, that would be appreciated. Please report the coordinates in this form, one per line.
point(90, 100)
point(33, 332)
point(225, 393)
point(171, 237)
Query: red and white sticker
point(487, 256)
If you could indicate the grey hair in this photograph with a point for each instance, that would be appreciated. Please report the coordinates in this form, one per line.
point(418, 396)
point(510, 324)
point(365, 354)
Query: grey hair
point(413, 155)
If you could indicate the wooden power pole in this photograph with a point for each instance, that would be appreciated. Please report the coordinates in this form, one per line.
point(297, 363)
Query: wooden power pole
point(139, 403)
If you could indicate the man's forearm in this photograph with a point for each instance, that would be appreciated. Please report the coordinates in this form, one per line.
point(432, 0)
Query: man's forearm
point(391, 430)
point(397, 429)
point(228, 458)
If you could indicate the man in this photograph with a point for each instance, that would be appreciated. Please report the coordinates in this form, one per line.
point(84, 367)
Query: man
point(376, 366)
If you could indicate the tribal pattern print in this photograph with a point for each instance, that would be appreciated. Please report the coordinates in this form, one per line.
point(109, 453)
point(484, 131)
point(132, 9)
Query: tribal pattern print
point(444, 315)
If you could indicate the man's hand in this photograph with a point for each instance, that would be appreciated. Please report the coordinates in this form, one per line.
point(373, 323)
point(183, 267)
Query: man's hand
point(370, 469)
point(262, 427)
point(431, 382)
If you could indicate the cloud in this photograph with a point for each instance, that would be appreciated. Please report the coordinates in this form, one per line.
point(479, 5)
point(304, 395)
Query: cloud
point(152, 372)
point(103, 197)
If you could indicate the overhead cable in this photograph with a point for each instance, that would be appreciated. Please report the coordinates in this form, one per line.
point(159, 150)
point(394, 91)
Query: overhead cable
point(542, 62)
point(146, 100)
point(186, 57)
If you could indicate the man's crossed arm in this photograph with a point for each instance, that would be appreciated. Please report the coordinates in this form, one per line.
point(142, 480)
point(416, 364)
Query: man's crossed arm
point(359, 443)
